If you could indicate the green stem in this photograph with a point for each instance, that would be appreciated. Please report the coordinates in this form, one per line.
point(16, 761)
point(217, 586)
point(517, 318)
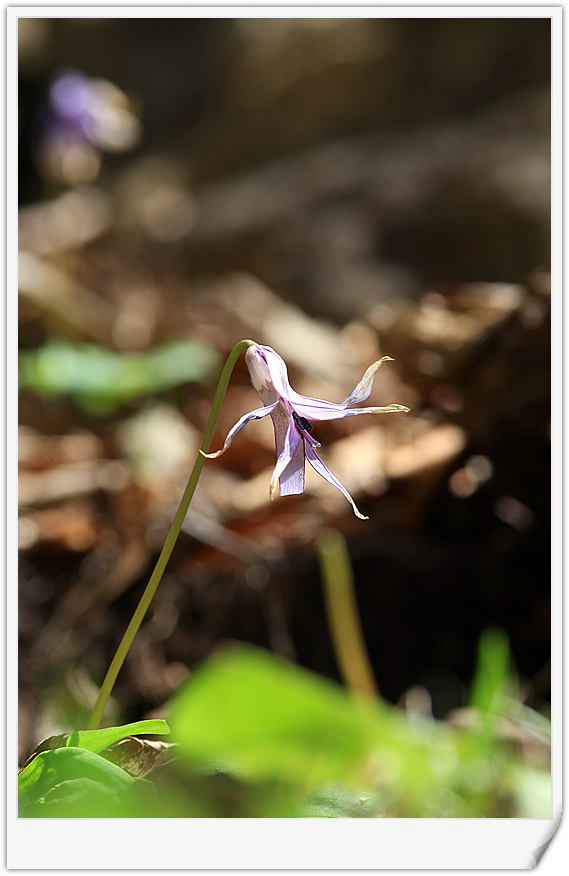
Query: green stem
point(343, 616)
point(171, 538)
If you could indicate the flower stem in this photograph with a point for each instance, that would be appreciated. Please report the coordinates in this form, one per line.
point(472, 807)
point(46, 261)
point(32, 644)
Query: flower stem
point(343, 616)
point(171, 538)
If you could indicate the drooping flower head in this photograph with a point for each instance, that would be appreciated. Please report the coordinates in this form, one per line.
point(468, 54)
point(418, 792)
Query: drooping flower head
point(293, 415)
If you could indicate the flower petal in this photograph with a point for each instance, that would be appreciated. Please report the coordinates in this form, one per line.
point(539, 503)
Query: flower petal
point(363, 389)
point(281, 418)
point(260, 372)
point(325, 472)
point(292, 441)
point(308, 409)
point(388, 409)
point(253, 415)
point(291, 480)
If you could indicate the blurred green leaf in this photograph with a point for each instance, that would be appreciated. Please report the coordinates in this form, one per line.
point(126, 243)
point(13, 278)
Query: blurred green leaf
point(265, 718)
point(494, 667)
point(250, 714)
point(76, 783)
point(100, 380)
point(98, 740)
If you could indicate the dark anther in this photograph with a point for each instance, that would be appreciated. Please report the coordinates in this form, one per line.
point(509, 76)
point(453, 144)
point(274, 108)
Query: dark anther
point(302, 422)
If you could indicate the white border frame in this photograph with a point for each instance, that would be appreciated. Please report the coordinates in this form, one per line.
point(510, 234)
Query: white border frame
point(283, 844)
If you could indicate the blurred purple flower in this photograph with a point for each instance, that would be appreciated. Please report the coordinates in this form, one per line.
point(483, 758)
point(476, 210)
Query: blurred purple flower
point(84, 116)
point(72, 101)
point(292, 415)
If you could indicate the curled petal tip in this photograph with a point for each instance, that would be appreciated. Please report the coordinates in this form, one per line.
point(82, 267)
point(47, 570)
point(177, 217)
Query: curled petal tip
point(357, 512)
point(212, 455)
point(391, 409)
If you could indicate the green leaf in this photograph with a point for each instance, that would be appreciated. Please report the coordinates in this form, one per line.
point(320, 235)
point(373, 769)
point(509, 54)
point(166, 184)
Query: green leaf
point(265, 718)
point(98, 740)
point(76, 783)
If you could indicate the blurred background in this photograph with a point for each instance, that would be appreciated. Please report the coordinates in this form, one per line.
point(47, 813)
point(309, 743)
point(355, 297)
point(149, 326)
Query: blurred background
point(340, 189)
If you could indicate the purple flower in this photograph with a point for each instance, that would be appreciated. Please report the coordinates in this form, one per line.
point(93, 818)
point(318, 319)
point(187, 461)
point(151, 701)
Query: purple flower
point(292, 415)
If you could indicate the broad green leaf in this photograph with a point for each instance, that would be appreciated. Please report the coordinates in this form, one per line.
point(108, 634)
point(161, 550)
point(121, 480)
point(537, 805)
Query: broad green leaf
point(265, 718)
point(98, 740)
point(76, 783)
